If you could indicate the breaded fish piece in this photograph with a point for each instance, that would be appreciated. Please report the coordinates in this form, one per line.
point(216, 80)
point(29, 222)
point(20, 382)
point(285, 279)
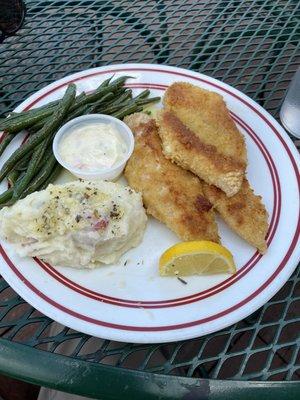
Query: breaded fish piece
point(244, 213)
point(198, 134)
point(171, 194)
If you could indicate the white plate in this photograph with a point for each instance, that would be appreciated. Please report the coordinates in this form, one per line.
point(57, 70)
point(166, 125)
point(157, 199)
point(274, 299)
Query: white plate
point(132, 303)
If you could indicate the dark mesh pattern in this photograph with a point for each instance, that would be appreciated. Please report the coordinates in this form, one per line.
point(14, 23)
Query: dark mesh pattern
point(252, 45)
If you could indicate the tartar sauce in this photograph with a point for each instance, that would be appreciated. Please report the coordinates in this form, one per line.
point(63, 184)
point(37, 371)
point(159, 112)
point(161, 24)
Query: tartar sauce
point(92, 147)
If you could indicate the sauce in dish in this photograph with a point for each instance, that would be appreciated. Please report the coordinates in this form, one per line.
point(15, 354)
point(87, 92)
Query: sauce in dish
point(92, 147)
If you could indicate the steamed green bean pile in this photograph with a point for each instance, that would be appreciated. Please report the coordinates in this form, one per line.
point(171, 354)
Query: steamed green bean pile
point(33, 165)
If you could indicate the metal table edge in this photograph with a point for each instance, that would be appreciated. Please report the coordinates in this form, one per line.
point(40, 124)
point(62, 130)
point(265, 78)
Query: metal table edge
point(107, 382)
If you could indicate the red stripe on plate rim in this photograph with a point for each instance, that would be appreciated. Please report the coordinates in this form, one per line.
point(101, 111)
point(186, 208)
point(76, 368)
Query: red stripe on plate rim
point(197, 296)
point(192, 323)
point(155, 328)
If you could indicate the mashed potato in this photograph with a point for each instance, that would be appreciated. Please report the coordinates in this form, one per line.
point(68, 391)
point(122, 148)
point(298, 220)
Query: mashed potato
point(78, 224)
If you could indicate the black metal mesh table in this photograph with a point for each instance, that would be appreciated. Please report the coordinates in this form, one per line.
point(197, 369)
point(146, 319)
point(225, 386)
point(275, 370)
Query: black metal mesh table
point(252, 45)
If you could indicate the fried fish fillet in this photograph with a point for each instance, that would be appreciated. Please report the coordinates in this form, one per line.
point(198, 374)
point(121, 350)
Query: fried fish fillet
point(198, 134)
point(244, 213)
point(171, 194)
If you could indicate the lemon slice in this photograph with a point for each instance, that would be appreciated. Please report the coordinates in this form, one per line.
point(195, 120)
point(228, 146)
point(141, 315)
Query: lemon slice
point(196, 258)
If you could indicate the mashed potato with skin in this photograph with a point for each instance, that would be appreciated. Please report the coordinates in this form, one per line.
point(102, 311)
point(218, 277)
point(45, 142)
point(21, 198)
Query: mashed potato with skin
point(78, 224)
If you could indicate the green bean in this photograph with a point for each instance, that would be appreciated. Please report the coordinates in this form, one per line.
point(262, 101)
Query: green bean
point(51, 177)
point(106, 82)
point(41, 177)
point(82, 110)
point(5, 196)
point(52, 104)
point(25, 119)
point(121, 80)
point(23, 163)
point(84, 95)
point(44, 173)
point(87, 98)
point(36, 116)
point(114, 108)
point(127, 95)
point(5, 141)
point(118, 107)
point(77, 113)
point(12, 177)
point(116, 95)
point(20, 123)
point(47, 154)
point(41, 122)
point(119, 91)
point(48, 129)
point(94, 108)
point(36, 159)
point(109, 93)
point(143, 94)
point(33, 113)
point(98, 104)
point(38, 125)
point(43, 161)
point(31, 169)
point(94, 96)
point(29, 113)
point(88, 108)
point(106, 97)
point(98, 93)
point(115, 103)
point(127, 110)
point(143, 102)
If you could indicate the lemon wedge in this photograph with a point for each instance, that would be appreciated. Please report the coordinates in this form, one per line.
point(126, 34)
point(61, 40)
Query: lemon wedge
point(196, 258)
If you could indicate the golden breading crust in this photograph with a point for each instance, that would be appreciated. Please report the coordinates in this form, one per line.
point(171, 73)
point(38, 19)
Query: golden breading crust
point(243, 212)
point(171, 194)
point(198, 134)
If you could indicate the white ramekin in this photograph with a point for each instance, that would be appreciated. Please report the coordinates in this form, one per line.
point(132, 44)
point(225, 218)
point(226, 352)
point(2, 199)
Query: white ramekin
point(110, 173)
